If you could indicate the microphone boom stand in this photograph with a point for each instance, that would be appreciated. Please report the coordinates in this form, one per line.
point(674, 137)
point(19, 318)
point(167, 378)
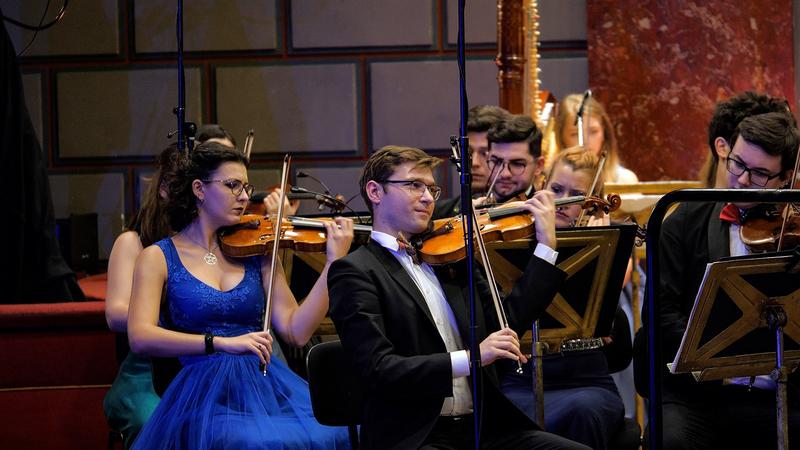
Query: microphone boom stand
point(464, 165)
point(186, 130)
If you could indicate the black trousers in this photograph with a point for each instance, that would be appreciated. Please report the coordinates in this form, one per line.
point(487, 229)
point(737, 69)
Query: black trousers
point(458, 433)
point(730, 417)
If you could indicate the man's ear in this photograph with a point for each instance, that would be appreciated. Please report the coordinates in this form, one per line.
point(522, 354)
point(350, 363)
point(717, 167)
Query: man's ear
point(538, 166)
point(721, 148)
point(374, 192)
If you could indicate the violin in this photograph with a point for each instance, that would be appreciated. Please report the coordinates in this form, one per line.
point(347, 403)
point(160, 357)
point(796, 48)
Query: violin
point(761, 227)
point(772, 228)
point(444, 243)
point(254, 235)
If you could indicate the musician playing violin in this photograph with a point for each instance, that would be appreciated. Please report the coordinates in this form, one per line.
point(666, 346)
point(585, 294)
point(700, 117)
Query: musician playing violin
point(581, 401)
point(515, 158)
point(735, 413)
point(479, 120)
point(406, 325)
point(211, 317)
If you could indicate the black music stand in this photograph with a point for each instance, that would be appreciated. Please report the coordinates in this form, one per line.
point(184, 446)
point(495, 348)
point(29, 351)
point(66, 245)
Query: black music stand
point(595, 260)
point(745, 322)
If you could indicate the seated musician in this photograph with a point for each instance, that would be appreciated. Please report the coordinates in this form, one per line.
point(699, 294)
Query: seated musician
point(131, 399)
point(734, 413)
point(599, 135)
point(479, 120)
point(515, 158)
point(211, 315)
point(406, 325)
point(726, 117)
point(581, 401)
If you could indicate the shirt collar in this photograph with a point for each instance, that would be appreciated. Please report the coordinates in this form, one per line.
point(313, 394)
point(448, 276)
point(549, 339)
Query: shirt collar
point(385, 240)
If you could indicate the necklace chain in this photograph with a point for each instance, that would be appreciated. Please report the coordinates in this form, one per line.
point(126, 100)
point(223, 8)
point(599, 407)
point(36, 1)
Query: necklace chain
point(210, 258)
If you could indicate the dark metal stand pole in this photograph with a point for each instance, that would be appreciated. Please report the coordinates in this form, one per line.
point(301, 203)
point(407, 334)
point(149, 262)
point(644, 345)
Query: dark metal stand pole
point(185, 130)
point(537, 353)
point(776, 319)
point(466, 216)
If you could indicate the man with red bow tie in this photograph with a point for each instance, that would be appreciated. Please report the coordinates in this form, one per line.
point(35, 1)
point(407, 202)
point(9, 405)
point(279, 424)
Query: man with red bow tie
point(736, 413)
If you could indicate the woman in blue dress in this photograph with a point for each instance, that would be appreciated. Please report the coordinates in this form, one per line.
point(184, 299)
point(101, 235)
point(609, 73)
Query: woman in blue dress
point(211, 317)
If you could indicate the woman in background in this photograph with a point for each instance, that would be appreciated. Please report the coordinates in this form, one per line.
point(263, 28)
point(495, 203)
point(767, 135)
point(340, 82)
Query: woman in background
point(598, 134)
point(131, 399)
point(581, 401)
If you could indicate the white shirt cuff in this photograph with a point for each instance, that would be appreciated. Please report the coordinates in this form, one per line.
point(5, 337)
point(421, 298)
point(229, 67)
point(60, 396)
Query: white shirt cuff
point(546, 253)
point(460, 363)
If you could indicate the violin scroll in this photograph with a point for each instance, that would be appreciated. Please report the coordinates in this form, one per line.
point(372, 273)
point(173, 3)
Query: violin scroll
point(597, 206)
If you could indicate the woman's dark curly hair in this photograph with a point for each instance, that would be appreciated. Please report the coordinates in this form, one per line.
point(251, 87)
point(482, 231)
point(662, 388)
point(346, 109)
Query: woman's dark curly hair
point(204, 159)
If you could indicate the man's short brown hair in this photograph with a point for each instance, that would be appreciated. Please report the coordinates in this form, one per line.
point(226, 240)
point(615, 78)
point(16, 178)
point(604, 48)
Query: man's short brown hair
point(382, 164)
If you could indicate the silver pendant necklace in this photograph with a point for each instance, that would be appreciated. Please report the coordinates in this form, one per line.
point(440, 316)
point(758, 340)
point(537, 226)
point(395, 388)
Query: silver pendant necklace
point(210, 258)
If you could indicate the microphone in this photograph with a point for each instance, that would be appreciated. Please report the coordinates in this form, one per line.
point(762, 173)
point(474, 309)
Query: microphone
point(301, 174)
point(323, 199)
point(586, 96)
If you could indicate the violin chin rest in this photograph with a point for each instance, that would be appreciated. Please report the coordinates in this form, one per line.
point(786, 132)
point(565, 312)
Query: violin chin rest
point(251, 224)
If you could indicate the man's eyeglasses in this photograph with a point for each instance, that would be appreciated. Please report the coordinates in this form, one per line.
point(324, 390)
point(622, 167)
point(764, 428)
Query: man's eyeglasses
point(757, 177)
point(418, 187)
point(235, 186)
point(515, 166)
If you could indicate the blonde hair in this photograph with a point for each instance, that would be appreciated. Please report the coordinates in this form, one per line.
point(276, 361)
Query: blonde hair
point(568, 109)
point(579, 159)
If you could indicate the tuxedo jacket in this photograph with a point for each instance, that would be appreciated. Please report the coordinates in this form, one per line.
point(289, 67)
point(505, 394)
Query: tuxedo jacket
point(691, 237)
point(385, 324)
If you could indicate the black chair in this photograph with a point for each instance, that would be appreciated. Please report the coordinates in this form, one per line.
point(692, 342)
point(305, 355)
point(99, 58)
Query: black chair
point(336, 396)
point(628, 437)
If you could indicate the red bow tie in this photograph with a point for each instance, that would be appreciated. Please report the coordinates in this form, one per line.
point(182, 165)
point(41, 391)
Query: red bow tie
point(403, 244)
point(730, 213)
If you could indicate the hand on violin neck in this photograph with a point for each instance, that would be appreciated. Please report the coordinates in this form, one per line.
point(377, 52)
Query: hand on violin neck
point(502, 344)
point(543, 209)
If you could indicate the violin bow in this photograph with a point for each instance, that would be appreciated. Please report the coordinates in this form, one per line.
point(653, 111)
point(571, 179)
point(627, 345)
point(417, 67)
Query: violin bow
point(490, 191)
point(792, 183)
point(248, 144)
point(498, 304)
point(275, 248)
point(579, 116)
point(601, 163)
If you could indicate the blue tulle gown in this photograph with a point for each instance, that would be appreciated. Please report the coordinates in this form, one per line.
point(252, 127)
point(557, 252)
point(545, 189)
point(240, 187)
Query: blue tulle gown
point(222, 401)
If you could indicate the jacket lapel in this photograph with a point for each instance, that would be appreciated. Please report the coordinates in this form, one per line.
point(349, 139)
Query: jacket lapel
point(400, 276)
point(719, 236)
point(455, 297)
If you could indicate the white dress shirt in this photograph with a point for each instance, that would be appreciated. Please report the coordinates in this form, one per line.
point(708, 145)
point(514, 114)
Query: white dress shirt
point(430, 288)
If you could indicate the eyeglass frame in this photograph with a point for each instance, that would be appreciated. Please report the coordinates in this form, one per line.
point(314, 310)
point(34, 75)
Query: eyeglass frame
point(246, 187)
point(507, 163)
point(740, 164)
point(434, 189)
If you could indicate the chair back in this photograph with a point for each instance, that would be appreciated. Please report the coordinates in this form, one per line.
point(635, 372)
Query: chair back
point(335, 388)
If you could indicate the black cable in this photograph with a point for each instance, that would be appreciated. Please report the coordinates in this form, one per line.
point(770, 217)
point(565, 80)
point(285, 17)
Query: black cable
point(35, 33)
point(39, 27)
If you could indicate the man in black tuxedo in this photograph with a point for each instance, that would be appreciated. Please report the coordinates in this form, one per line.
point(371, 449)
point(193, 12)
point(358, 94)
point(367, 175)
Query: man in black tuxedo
point(515, 157)
point(406, 325)
point(734, 413)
